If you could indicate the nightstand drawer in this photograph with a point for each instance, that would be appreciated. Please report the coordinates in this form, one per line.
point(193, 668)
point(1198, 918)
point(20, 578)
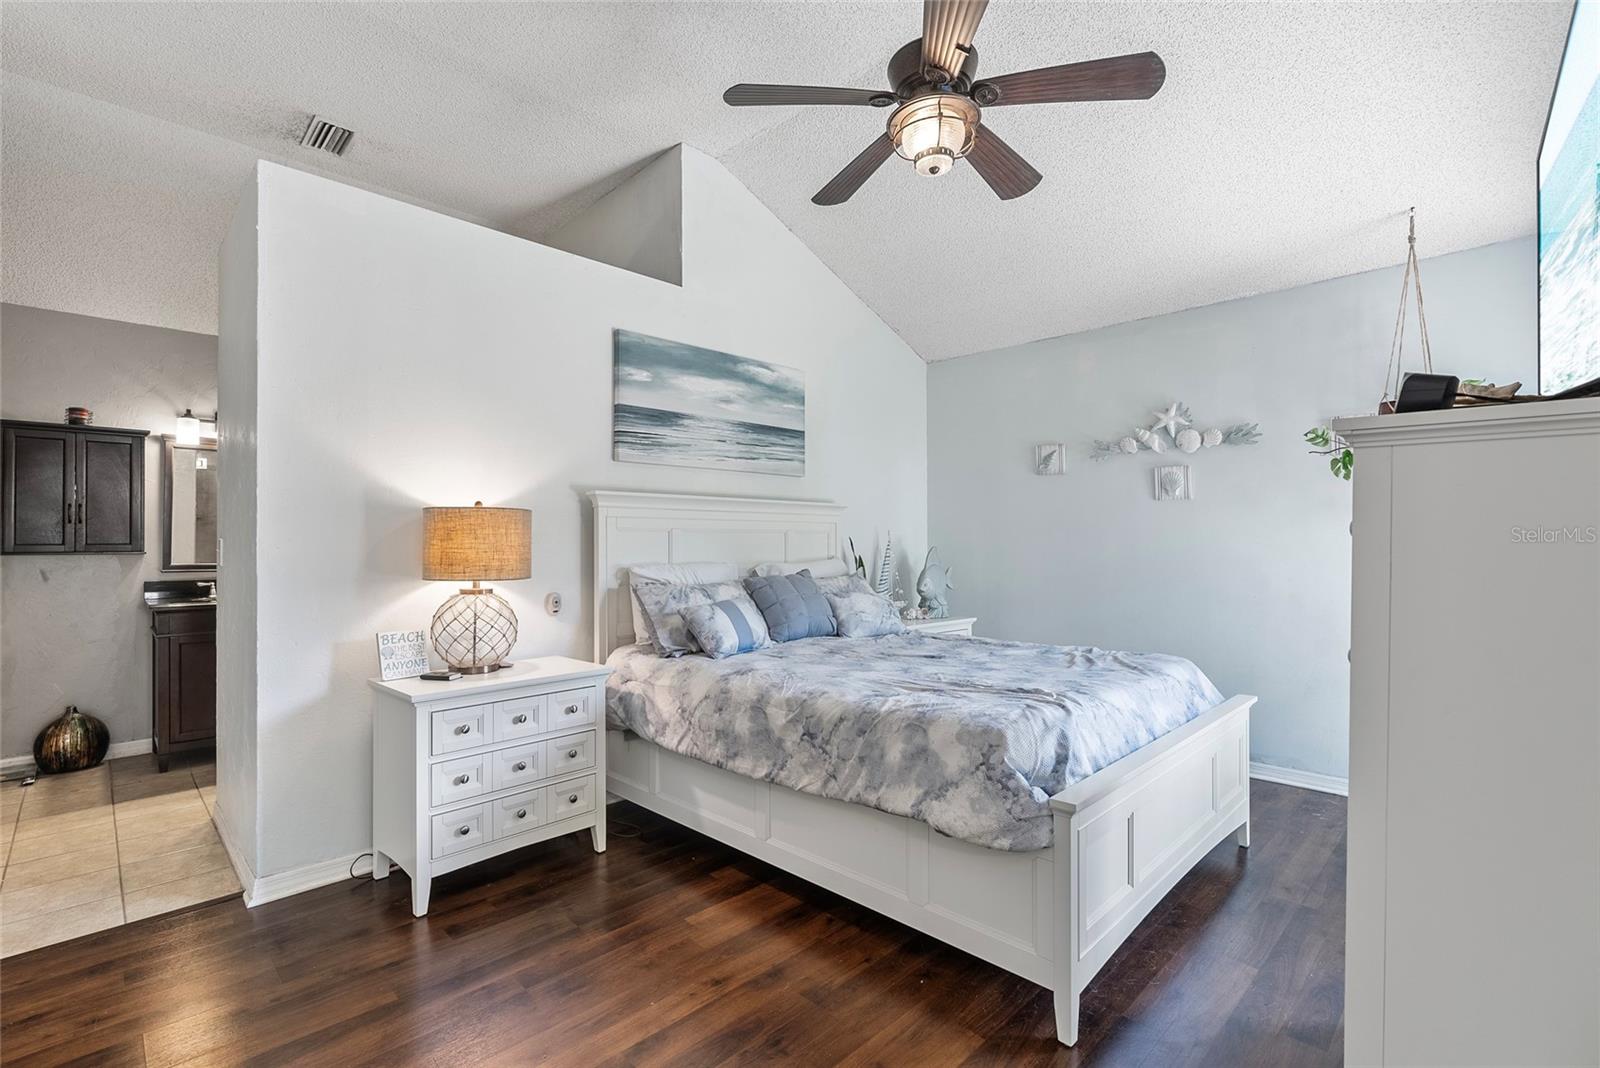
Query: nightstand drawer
point(461, 829)
point(514, 815)
point(460, 728)
point(568, 799)
point(519, 764)
point(519, 717)
point(571, 708)
point(572, 753)
point(457, 780)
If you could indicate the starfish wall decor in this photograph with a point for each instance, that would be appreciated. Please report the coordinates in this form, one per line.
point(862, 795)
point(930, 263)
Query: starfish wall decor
point(1180, 433)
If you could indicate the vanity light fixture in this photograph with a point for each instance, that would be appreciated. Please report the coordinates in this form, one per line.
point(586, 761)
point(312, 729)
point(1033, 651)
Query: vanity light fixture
point(188, 432)
point(191, 429)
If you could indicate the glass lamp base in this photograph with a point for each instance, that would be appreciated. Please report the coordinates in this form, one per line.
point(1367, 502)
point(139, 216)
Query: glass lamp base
point(474, 631)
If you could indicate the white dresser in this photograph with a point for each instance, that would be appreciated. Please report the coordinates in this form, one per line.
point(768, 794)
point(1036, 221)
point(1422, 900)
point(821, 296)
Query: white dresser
point(1473, 911)
point(465, 770)
point(960, 627)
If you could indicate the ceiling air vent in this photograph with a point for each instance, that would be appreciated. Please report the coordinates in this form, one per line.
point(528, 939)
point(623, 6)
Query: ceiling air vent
point(325, 136)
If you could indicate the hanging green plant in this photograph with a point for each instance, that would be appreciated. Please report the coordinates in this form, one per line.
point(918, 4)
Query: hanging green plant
point(1324, 442)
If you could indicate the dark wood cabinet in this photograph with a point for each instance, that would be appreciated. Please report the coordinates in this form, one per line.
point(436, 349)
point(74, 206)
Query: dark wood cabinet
point(184, 680)
point(71, 489)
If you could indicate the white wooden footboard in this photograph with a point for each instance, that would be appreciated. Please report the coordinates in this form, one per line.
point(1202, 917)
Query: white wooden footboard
point(1127, 834)
point(1123, 838)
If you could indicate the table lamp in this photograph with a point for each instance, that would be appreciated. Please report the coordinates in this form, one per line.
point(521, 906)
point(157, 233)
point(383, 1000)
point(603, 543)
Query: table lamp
point(475, 630)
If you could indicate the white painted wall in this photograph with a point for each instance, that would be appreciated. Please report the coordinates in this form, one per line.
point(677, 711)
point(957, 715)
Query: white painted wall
point(237, 742)
point(1251, 579)
point(407, 359)
point(73, 629)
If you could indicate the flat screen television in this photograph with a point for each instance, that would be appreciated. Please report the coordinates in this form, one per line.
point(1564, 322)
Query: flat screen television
point(1569, 216)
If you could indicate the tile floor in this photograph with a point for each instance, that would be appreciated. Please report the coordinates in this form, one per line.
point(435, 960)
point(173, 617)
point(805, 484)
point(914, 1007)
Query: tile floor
point(94, 849)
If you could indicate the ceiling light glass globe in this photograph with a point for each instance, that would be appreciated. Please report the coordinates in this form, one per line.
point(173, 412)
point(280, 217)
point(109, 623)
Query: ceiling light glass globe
point(934, 131)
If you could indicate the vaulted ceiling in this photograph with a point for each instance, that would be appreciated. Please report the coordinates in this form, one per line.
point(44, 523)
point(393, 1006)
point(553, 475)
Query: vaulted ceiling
point(1284, 148)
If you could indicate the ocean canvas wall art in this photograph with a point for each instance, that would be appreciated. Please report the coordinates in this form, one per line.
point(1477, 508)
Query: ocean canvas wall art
point(692, 407)
point(1569, 213)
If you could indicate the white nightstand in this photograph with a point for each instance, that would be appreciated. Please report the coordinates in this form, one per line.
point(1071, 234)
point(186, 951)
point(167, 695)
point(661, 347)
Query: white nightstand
point(959, 628)
point(465, 770)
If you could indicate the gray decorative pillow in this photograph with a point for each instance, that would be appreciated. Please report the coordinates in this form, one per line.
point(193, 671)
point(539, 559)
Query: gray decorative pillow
point(792, 605)
point(728, 627)
point(864, 615)
point(663, 603)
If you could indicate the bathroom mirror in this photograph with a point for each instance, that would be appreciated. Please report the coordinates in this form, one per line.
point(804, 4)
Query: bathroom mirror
point(188, 506)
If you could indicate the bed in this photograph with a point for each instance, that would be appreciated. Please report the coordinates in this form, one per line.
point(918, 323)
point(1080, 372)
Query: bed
point(1043, 882)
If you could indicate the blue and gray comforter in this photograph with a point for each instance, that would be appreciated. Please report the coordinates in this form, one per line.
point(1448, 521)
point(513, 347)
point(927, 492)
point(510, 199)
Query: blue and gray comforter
point(969, 735)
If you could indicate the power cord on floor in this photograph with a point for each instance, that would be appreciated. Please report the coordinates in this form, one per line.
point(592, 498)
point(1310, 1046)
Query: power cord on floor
point(353, 864)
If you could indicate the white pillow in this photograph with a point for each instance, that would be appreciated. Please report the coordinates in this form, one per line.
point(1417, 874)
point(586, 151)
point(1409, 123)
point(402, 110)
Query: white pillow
point(678, 575)
point(819, 568)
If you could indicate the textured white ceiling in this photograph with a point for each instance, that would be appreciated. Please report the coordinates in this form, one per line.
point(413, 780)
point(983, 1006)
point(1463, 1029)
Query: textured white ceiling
point(1284, 148)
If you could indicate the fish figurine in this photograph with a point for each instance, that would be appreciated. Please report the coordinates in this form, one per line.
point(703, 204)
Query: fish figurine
point(934, 586)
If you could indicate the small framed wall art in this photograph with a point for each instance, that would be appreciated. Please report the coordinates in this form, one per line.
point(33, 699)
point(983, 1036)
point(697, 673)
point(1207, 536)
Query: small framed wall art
point(1173, 482)
point(1050, 458)
point(402, 654)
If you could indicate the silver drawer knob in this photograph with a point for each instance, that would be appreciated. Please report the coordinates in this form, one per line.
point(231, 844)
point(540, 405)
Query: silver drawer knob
point(572, 799)
point(462, 780)
point(572, 710)
point(522, 813)
point(465, 728)
point(521, 765)
point(464, 830)
point(572, 754)
point(520, 718)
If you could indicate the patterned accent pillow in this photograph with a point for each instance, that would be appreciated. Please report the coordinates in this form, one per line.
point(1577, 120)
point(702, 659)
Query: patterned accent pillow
point(728, 627)
point(792, 605)
point(864, 615)
point(663, 603)
point(842, 584)
point(678, 574)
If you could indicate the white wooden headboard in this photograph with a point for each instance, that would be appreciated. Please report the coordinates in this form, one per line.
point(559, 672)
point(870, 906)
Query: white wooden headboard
point(643, 528)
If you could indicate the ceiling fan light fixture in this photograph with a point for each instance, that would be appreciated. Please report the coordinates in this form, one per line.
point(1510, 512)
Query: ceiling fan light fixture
point(934, 131)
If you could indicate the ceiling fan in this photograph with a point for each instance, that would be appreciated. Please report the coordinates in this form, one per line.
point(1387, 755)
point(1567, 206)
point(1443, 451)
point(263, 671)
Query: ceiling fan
point(938, 101)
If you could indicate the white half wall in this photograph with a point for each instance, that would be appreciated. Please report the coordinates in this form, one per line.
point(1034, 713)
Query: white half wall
point(404, 358)
point(238, 372)
point(74, 629)
point(1251, 578)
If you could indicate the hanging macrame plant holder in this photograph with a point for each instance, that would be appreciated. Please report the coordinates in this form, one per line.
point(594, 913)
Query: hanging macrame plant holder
point(1412, 279)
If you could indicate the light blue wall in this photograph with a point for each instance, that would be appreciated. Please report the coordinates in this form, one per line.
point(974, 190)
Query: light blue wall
point(1251, 579)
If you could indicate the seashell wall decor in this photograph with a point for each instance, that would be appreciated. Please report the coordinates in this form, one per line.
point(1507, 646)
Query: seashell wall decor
point(1175, 425)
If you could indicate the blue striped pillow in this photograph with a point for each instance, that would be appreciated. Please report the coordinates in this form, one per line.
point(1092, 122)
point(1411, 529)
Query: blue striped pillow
point(726, 628)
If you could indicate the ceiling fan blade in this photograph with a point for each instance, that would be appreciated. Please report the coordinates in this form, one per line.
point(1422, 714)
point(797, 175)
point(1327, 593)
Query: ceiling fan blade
point(857, 171)
point(997, 163)
point(1135, 77)
point(948, 27)
point(746, 94)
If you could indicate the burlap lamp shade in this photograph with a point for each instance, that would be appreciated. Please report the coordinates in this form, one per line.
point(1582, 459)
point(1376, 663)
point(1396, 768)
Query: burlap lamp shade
point(475, 629)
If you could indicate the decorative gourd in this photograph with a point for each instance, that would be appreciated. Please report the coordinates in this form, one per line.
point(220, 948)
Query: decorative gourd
point(73, 742)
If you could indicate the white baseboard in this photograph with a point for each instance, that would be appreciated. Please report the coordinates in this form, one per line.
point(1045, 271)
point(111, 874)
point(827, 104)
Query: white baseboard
point(241, 866)
point(260, 889)
point(1306, 780)
point(137, 747)
point(299, 880)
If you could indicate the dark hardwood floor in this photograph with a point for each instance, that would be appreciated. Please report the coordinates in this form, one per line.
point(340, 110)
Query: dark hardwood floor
point(672, 949)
